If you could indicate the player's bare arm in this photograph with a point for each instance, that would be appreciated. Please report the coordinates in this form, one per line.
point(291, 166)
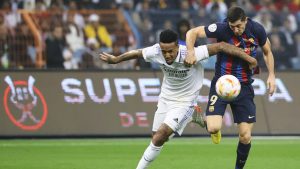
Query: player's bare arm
point(191, 37)
point(231, 50)
point(111, 59)
point(269, 60)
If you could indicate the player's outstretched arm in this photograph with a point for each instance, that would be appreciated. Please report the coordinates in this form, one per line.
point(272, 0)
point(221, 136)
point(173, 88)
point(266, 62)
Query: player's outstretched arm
point(191, 37)
point(111, 59)
point(231, 50)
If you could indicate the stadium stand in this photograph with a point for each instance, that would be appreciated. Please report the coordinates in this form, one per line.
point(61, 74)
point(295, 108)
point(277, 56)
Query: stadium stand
point(27, 26)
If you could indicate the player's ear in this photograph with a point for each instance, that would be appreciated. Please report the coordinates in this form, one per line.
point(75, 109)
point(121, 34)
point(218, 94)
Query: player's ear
point(246, 20)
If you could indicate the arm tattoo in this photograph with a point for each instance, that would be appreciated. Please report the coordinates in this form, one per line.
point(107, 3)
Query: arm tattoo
point(228, 49)
point(133, 54)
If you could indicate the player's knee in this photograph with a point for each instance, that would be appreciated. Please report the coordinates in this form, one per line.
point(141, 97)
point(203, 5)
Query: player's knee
point(245, 138)
point(159, 138)
point(213, 130)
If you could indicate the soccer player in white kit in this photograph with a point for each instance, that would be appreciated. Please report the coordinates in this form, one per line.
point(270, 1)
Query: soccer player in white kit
point(180, 87)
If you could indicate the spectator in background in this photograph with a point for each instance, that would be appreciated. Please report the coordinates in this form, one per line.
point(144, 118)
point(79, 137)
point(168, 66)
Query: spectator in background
point(217, 10)
point(105, 4)
point(286, 36)
point(201, 17)
point(56, 6)
point(124, 4)
point(120, 36)
point(41, 5)
point(54, 48)
point(245, 4)
point(69, 61)
point(74, 38)
point(292, 5)
point(298, 16)
point(167, 4)
point(88, 57)
point(167, 25)
point(296, 60)
point(185, 9)
point(146, 32)
point(297, 39)
point(78, 18)
point(265, 19)
point(144, 6)
point(11, 17)
point(285, 14)
point(182, 27)
point(269, 4)
point(282, 61)
point(22, 51)
point(147, 38)
point(197, 4)
point(96, 30)
point(99, 4)
point(3, 24)
point(5, 39)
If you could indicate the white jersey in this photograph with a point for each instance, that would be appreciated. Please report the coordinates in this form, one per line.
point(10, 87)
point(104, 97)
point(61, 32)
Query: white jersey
point(180, 83)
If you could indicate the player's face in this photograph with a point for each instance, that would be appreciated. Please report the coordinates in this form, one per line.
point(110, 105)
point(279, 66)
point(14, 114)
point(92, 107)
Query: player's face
point(169, 51)
point(238, 27)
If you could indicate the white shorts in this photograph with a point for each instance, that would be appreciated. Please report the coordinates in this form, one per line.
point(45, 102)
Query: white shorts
point(176, 115)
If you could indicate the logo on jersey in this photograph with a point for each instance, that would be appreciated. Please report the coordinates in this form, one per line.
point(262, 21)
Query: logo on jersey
point(212, 27)
point(174, 72)
point(176, 120)
point(251, 40)
point(24, 104)
point(211, 108)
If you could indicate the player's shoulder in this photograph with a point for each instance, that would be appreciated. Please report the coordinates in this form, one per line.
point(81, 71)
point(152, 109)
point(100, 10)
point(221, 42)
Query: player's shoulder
point(219, 30)
point(217, 27)
point(152, 50)
point(254, 26)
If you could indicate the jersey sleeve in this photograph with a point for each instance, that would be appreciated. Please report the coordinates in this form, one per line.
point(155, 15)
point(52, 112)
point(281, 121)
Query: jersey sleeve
point(149, 53)
point(261, 34)
point(201, 53)
point(214, 30)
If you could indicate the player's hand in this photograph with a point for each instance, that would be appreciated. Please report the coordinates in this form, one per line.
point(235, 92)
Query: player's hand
point(252, 63)
point(271, 84)
point(111, 59)
point(190, 58)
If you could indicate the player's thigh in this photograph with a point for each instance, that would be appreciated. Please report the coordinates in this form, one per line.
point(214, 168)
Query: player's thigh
point(159, 115)
point(178, 117)
point(243, 107)
point(214, 123)
point(215, 105)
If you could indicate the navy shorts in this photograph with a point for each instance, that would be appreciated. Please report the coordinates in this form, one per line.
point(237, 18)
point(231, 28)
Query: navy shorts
point(243, 106)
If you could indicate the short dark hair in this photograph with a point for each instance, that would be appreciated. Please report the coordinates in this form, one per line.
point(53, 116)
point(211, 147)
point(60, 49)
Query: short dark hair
point(168, 36)
point(236, 13)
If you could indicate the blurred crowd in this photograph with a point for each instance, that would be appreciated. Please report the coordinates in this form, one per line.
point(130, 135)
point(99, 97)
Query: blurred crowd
point(75, 32)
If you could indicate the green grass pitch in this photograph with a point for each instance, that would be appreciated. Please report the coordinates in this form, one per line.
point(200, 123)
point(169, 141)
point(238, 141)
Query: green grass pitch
point(179, 153)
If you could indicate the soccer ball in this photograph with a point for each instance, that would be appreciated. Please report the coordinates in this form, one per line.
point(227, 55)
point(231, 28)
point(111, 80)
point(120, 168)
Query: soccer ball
point(228, 87)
